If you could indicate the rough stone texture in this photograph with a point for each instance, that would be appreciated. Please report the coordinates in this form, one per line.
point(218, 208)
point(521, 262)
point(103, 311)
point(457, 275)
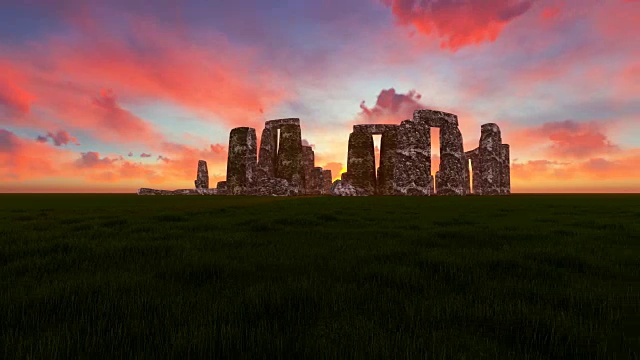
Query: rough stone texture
point(344, 176)
point(374, 129)
point(315, 184)
point(412, 173)
point(267, 157)
point(275, 187)
point(221, 187)
point(289, 163)
point(361, 163)
point(278, 123)
point(308, 163)
point(147, 191)
point(241, 161)
point(433, 118)
point(343, 188)
point(505, 174)
point(202, 178)
point(452, 166)
point(326, 182)
point(490, 165)
point(386, 171)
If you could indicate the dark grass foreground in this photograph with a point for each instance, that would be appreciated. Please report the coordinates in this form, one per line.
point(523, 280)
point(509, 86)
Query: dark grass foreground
point(123, 276)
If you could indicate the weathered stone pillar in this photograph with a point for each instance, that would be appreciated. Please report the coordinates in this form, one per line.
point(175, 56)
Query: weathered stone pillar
point(267, 157)
point(221, 188)
point(315, 183)
point(490, 164)
point(452, 167)
point(361, 163)
point(412, 175)
point(241, 161)
point(388, 149)
point(505, 174)
point(308, 163)
point(289, 164)
point(327, 181)
point(202, 178)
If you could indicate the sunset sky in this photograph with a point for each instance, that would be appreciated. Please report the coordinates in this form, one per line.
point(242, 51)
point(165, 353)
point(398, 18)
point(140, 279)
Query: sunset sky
point(110, 96)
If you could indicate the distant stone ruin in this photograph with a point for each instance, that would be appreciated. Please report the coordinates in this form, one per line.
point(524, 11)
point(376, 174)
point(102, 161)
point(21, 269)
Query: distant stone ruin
point(405, 160)
point(285, 167)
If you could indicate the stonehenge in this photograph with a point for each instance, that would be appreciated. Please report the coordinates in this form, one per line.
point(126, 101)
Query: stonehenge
point(284, 166)
point(405, 160)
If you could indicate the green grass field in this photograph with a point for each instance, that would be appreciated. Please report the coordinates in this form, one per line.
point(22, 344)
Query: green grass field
point(515, 277)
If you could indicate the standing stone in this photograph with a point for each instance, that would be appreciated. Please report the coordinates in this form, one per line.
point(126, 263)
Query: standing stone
point(274, 187)
point(315, 183)
point(289, 163)
point(490, 153)
point(267, 157)
point(505, 174)
point(202, 178)
point(241, 162)
point(221, 188)
point(308, 163)
point(361, 163)
point(412, 175)
point(386, 171)
point(326, 182)
point(452, 167)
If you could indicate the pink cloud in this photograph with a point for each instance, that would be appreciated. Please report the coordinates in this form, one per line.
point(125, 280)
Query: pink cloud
point(458, 23)
point(391, 107)
point(85, 82)
point(15, 99)
point(566, 139)
point(92, 159)
point(59, 138)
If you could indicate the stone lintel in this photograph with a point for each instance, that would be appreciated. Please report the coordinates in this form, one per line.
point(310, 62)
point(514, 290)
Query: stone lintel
point(374, 129)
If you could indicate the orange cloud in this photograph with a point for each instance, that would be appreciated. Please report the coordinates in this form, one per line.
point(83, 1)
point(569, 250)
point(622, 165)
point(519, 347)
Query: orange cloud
point(566, 139)
point(616, 174)
point(24, 161)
